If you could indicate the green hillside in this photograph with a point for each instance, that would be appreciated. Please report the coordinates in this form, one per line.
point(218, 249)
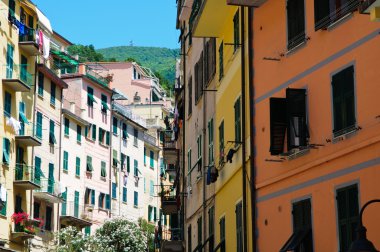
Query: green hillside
point(160, 60)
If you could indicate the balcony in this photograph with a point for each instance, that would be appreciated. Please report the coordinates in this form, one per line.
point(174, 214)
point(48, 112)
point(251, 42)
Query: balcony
point(25, 177)
point(73, 214)
point(170, 150)
point(24, 228)
point(371, 7)
point(27, 134)
point(172, 170)
point(17, 78)
point(28, 42)
point(49, 191)
point(169, 205)
point(149, 139)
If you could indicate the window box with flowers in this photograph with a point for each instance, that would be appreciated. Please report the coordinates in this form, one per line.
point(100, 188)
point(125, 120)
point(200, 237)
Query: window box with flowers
point(24, 227)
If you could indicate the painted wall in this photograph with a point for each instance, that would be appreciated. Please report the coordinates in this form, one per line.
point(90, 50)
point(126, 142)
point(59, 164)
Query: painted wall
point(318, 174)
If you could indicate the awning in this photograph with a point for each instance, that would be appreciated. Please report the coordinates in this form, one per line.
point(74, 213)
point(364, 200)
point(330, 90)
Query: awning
point(44, 21)
point(23, 118)
point(91, 97)
point(65, 57)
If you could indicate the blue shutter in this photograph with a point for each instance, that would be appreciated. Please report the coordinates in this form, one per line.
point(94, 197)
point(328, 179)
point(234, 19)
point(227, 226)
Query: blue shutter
point(124, 194)
point(114, 189)
point(108, 201)
point(52, 93)
point(7, 104)
point(93, 197)
point(136, 199)
point(151, 159)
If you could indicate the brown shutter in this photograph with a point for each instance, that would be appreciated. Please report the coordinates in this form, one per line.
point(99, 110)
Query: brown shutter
point(277, 125)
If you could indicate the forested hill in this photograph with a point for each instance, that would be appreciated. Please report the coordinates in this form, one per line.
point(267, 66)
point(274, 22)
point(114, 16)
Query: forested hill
point(159, 60)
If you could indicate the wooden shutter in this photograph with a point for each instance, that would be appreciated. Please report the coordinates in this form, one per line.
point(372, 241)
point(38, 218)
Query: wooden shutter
point(190, 102)
point(278, 125)
point(237, 109)
point(296, 118)
point(321, 14)
point(239, 230)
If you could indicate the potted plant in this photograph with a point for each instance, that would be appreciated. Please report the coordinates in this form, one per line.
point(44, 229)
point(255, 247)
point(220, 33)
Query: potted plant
point(23, 223)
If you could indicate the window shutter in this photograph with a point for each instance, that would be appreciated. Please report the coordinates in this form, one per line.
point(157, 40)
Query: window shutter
point(296, 22)
point(296, 118)
point(190, 102)
point(52, 93)
point(277, 125)
point(77, 166)
point(107, 138)
point(92, 197)
point(7, 104)
point(40, 84)
point(128, 164)
point(237, 121)
point(94, 132)
point(103, 171)
point(125, 134)
point(321, 14)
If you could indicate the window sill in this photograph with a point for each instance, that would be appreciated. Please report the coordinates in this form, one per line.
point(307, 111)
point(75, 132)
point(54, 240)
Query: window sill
point(79, 142)
point(125, 203)
point(115, 134)
point(65, 171)
point(40, 96)
point(135, 206)
point(77, 176)
point(52, 105)
point(103, 145)
point(296, 48)
point(89, 173)
point(103, 178)
point(346, 133)
point(340, 21)
point(66, 135)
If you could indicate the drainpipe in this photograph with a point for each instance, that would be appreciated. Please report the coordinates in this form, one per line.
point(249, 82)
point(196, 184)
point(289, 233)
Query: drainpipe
point(119, 179)
point(110, 160)
point(243, 97)
point(252, 183)
point(183, 208)
point(204, 150)
point(60, 152)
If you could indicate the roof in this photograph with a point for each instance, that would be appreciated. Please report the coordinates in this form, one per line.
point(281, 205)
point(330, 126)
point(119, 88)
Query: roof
point(62, 38)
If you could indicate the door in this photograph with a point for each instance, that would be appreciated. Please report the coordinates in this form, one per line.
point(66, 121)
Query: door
point(51, 179)
point(76, 204)
point(18, 209)
point(19, 163)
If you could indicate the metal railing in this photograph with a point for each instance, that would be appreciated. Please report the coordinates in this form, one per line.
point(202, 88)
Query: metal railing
point(127, 112)
point(49, 186)
point(97, 77)
point(18, 72)
point(73, 209)
point(149, 139)
point(29, 37)
point(27, 129)
point(24, 172)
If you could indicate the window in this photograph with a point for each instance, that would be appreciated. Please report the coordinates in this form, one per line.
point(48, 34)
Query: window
point(40, 84)
point(107, 138)
point(67, 127)
point(199, 80)
point(89, 197)
point(89, 167)
point(221, 142)
point(327, 12)
point(108, 202)
point(36, 210)
point(237, 122)
point(189, 160)
point(6, 151)
point(10, 50)
point(114, 158)
point(221, 64)
point(211, 224)
point(7, 104)
point(136, 135)
point(104, 104)
point(199, 144)
point(122, 160)
point(103, 170)
point(77, 166)
point(79, 133)
point(39, 125)
point(93, 132)
point(210, 127)
point(239, 226)
point(102, 134)
point(128, 164)
point(151, 160)
point(114, 125)
point(222, 230)
point(210, 59)
point(190, 102)
point(199, 222)
point(87, 231)
point(296, 22)
point(114, 190)
point(101, 200)
point(150, 213)
point(52, 93)
point(348, 215)
point(90, 97)
point(125, 133)
point(52, 139)
point(151, 191)
point(136, 168)
point(302, 237)
point(189, 235)
point(236, 31)
point(288, 115)
point(65, 161)
point(48, 217)
point(343, 101)
point(3, 210)
point(136, 199)
point(124, 194)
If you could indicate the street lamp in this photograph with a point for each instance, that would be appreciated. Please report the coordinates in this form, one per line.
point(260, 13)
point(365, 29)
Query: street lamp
point(362, 244)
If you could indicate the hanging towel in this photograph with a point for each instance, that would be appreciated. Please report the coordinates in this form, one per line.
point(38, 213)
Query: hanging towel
point(40, 39)
point(3, 193)
point(16, 125)
point(46, 46)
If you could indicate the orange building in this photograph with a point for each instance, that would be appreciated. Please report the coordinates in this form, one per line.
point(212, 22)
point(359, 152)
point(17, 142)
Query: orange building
point(317, 124)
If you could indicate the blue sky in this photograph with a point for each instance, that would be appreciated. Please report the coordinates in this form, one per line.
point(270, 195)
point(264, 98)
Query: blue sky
point(114, 22)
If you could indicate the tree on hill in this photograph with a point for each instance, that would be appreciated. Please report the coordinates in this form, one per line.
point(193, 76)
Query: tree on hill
point(86, 53)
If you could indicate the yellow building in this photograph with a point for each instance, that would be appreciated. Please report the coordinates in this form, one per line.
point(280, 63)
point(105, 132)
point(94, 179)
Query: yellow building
point(217, 213)
point(18, 41)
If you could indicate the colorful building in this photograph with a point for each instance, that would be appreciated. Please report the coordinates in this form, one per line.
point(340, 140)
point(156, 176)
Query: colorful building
point(317, 129)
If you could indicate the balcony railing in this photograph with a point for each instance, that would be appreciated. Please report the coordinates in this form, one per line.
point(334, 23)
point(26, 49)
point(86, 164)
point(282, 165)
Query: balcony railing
point(169, 140)
point(17, 77)
point(27, 133)
point(75, 215)
point(49, 191)
point(149, 139)
point(127, 112)
point(25, 177)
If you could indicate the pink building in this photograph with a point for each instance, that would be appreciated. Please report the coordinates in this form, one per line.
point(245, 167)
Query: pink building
point(86, 151)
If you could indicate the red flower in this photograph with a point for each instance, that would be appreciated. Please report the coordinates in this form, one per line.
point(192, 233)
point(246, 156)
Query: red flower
point(19, 218)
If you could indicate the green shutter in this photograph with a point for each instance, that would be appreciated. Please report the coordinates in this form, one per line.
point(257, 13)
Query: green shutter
point(108, 201)
point(125, 133)
point(52, 139)
point(151, 159)
point(221, 64)
point(221, 141)
point(6, 151)
point(128, 164)
point(101, 135)
point(67, 126)
point(86, 131)
point(40, 84)
point(236, 31)
point(79, 133)
point(103, 171)
point(107, 138)
point(65, 161)
point(136, 199)
point(94, 132)
point(7, 104)
point(39, 125)
point(89, 164)
point(114, 190)
point(38, 173)
point(114, 125)
point(10, 49)
point(104, 104)
point(151, 188)
point(124, 194)
point(93, 197)
point(77, 166)
point(87, 231)
point(52, 93)
point(3, 210)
